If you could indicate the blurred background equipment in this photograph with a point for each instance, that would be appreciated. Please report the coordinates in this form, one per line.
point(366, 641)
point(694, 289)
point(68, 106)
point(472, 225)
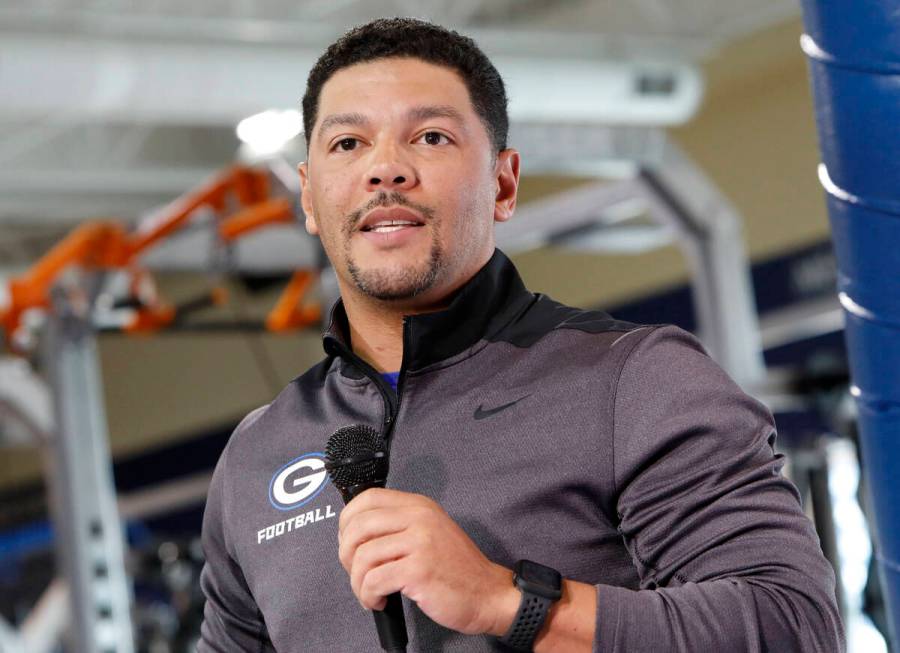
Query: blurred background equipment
point(669, 161)
point(72, 291)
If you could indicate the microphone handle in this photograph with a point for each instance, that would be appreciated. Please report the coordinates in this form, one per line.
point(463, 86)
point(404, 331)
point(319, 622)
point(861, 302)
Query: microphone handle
point(391, 625)
point(390, 622)
point(348, 493)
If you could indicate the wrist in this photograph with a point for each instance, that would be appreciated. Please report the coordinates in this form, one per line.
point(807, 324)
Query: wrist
point(540, 588)
point(505, 604)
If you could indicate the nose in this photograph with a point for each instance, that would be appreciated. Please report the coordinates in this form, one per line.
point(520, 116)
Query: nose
point(390, 172)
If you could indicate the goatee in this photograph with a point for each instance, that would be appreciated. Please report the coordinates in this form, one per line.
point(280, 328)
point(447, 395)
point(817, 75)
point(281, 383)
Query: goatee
point(387, 284)
point(390, 284)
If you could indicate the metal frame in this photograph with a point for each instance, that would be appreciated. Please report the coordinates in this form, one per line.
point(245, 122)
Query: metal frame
point(675, 193)
point(709, 228)
point(41, 631)
point(90, 538)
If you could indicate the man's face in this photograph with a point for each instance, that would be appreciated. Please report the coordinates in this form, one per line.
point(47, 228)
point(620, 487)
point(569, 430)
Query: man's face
point(401, 184)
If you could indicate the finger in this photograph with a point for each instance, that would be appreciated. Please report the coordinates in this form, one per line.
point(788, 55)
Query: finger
point(367, 526)
point(374, 498)
point(382, 581)
point(375, 553)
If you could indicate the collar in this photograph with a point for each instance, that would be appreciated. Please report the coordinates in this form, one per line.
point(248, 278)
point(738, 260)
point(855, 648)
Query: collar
point(481, 308)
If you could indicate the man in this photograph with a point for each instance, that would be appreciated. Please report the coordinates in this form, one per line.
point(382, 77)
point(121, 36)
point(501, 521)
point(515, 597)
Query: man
point(519, 429)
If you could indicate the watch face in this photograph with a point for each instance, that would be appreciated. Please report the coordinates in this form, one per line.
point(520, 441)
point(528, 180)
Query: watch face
point(538, 579)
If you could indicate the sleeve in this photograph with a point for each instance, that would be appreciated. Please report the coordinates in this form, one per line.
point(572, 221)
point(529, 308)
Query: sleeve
point(231, 619)
point(727, 559)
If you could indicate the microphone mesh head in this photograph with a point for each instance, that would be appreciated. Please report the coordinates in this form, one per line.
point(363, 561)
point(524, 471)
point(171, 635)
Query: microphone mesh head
point(360, 443)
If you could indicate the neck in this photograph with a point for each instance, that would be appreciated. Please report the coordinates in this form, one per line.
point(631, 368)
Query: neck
point(376, 334)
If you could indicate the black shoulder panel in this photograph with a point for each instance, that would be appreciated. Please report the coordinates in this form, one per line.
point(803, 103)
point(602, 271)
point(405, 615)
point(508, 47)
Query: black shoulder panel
point(315, 375)
point(546, 315)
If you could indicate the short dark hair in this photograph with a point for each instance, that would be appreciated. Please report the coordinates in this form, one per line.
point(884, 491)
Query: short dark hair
point(413, 38)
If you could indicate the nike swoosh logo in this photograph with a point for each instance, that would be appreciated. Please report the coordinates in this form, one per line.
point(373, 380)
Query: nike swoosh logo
point(481, 412)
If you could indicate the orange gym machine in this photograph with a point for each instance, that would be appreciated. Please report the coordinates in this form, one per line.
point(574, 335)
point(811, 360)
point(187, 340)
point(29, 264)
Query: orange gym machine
point(107, 246)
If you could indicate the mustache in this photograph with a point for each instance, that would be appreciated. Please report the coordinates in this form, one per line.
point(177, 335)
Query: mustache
point(385, 200)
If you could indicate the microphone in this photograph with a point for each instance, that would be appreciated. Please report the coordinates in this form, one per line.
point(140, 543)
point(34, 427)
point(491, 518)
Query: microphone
point(356, 460)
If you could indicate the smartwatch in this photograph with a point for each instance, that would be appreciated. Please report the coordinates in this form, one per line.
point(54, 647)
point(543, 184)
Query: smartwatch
point(541, 587)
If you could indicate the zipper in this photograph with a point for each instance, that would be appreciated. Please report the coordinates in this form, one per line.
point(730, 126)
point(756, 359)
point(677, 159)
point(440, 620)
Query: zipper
point(391, 398)
point(393, 408)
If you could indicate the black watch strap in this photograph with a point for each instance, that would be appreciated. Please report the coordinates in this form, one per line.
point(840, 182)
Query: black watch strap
point(531, 615)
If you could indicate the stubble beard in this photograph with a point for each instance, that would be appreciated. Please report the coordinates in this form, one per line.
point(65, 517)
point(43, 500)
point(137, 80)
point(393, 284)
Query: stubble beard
point(387, 284)
point(399, 283)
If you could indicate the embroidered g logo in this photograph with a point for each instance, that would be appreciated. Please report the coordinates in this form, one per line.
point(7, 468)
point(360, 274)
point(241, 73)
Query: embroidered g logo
point(298, 482)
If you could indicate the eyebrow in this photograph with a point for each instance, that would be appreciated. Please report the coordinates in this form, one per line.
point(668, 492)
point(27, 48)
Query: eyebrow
point(436, 111)
point(415, 114)
point(352, 119)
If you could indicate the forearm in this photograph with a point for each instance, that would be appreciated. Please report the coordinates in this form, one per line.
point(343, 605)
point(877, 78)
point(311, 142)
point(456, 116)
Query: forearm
point(571, 622)
point(728, 614)
point(722, 615)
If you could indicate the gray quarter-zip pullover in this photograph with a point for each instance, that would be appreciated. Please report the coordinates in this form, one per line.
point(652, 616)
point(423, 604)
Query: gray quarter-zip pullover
point(619, 454)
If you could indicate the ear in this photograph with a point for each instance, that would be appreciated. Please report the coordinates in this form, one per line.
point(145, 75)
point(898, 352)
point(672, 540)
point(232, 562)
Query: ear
point(506, 174)
point(312, 226)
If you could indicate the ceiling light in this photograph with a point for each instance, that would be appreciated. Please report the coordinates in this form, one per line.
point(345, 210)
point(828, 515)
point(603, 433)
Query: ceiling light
point(269, 131)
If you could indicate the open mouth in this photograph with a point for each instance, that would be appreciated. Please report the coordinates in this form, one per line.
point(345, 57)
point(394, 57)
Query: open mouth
point(388, 226)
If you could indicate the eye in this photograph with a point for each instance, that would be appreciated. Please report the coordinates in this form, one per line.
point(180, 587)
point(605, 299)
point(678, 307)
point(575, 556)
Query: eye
point(434, 138)
point(346, 144)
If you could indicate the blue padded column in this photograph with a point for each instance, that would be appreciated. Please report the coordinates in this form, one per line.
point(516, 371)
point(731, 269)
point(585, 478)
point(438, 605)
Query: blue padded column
point(853, 48)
